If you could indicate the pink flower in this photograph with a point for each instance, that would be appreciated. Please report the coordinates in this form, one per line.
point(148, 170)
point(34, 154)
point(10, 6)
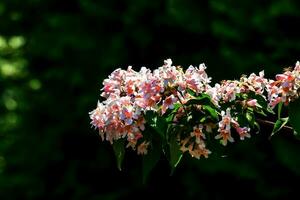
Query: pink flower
point(168, 103)
point(214, 93)
point(197, 132)
point(142, 148)
point(196, 78)
point(243, 132)
point(140, 122)
point(127, 115)
point(183, 143)
point(225, 135)
point(252, 103)
point(224, 128)
point(226, 120)
point(130, 87)
point(198, 151)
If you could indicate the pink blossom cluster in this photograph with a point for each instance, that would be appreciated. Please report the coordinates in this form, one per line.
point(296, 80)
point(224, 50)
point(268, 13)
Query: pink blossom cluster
point(130, 94)
point(285, 88)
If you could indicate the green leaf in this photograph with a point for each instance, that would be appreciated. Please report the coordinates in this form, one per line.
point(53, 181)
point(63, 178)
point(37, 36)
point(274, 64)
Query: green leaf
point(149, 116)
point(243, 95)
point(202, 99)
point(260, 111)
point(119, 149)
point(191, 92)
point(175, 152)
point(213, 113)
point(294, 114)
point(157, 122)
point(242, 120)
point(202, 119)
point(170, 115)
point(202, 96)
point(280, 123)
point(270, 110)
point(150, 160)
point(257, 126)
point(251, 118)
point(279, 109)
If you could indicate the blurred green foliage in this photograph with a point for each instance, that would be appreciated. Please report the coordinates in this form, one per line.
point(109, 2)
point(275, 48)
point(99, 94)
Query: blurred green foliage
point(55, 54)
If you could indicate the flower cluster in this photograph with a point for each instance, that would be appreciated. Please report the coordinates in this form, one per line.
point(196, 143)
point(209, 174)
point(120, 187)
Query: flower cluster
point(185, 106)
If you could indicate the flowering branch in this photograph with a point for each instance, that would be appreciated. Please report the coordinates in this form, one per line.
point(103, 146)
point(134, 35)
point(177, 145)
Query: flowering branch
point(179, 111)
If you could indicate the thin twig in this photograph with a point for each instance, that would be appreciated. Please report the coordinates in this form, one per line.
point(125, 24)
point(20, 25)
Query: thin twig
point(270, 123)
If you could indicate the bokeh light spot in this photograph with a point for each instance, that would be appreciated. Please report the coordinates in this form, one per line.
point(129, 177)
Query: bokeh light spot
point(16, 42)
point(35, 84)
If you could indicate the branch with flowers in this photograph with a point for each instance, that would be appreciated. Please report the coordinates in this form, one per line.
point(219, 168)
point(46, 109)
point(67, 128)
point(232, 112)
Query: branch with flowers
point(173, 112)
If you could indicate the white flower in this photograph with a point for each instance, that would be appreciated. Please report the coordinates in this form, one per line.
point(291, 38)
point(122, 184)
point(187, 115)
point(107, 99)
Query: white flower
point(168, 62)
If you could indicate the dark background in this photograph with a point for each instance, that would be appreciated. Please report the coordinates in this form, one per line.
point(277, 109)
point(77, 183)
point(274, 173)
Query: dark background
point(55, 54)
